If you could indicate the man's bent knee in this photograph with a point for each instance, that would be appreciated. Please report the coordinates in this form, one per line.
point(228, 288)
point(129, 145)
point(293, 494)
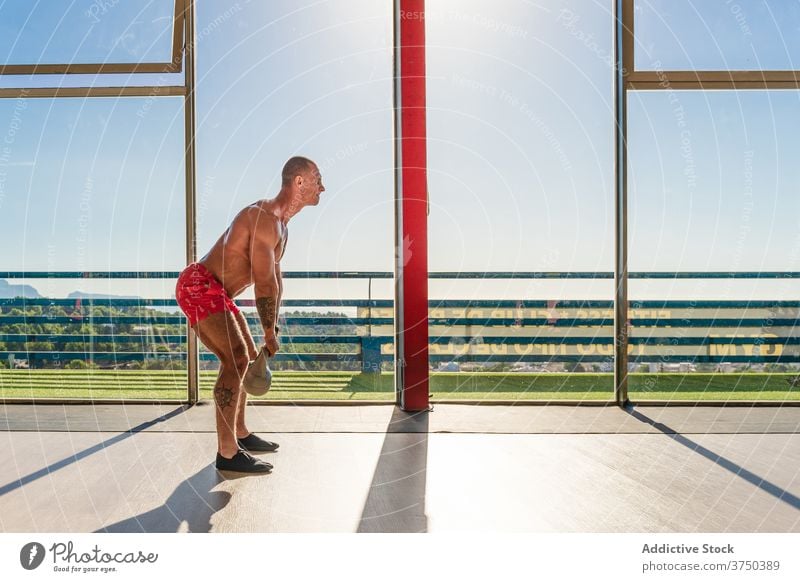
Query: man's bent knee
point(241, 359)
point(236, 363)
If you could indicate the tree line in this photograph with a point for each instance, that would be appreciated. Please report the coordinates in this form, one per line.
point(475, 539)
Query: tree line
point(147, 337)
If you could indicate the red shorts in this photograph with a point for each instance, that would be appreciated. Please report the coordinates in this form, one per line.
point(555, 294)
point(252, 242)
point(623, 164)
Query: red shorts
point(200, 294)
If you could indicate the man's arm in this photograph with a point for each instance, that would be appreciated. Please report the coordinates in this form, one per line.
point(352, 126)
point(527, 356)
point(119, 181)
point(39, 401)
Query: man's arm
point(267, 289)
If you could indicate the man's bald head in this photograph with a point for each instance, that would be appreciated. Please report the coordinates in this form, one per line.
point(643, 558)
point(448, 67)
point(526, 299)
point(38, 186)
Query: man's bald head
point(295, 166)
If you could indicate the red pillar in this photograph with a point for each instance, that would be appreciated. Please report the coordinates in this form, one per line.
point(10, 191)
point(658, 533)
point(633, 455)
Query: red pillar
point(411, 232)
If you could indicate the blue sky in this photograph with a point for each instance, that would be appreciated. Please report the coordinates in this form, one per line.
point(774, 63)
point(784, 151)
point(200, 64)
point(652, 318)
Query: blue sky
point(520, 141)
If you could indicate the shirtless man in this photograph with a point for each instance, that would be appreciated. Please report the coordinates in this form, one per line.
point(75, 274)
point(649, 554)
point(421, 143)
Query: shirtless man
point(248, 252)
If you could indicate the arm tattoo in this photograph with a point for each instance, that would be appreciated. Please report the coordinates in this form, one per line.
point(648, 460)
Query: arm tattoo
point(223, 396)
point(267, 310)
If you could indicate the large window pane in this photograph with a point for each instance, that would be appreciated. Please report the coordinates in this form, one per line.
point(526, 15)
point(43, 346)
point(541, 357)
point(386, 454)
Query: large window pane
point(278, 79)
point(713, 190)
point(91, 185)
point(520, 127)
point(86, 31)
point(717, 35)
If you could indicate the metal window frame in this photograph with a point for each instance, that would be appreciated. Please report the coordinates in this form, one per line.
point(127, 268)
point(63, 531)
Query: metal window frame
point(627, 78)
point(623, 58)
point(190, 168)
point(55, 92)
point(174, 66)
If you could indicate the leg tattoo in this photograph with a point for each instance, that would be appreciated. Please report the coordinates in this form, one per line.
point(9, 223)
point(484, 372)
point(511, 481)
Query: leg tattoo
point(223, 396)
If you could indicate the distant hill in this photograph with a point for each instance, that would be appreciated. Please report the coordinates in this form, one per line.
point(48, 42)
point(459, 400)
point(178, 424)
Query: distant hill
point(82, 295)
point(8, 291)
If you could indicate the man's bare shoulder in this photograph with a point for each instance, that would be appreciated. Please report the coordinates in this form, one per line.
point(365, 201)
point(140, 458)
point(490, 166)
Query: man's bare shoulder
point(264, 224)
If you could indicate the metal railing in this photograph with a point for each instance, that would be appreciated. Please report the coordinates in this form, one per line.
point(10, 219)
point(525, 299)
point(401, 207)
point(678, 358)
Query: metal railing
point(487, 332)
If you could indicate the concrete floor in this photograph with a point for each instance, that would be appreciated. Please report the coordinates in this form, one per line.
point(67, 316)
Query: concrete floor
point(84, 468)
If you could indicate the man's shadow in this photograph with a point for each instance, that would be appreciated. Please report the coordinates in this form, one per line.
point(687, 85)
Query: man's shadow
point(192, 503)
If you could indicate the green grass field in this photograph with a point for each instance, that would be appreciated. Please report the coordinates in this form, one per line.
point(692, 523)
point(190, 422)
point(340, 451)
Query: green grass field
point(168, 385)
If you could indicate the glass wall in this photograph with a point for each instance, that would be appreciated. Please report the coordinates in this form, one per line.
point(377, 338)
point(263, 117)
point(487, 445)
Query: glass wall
point(521, 190)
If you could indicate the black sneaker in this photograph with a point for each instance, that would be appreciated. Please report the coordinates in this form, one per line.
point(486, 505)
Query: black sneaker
point(242, 462)
point(256, 444)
